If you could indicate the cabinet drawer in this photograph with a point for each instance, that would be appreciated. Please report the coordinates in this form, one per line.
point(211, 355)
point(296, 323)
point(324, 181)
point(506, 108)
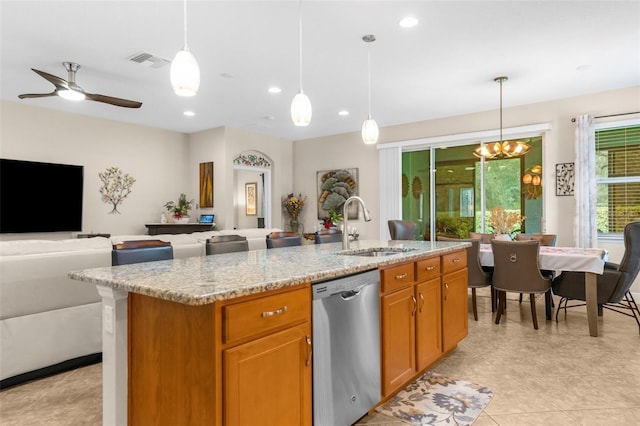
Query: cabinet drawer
point(454, 261)
point(259, 316)
point(397, 277)
point(427, 269)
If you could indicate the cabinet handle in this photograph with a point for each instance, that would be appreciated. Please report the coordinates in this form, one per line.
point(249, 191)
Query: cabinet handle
point(401, 276)
point(310, 351)
point(430, 268)
point(415, 305)
point(421, 303)
point(456, 260)
point(446, 290)
point(276, 312)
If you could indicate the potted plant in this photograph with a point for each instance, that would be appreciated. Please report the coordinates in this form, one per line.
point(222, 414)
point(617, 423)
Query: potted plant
point(180, 209)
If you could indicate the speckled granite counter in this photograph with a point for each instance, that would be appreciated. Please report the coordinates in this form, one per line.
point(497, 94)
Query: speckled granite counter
point(205, 279)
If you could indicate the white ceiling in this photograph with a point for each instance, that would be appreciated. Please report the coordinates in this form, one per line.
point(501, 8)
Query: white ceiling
point(445, 66)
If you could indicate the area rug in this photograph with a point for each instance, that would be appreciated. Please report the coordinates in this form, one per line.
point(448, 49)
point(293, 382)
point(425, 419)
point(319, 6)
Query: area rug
point(434, 399)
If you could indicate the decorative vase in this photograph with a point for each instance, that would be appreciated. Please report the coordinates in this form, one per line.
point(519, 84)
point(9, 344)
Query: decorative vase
point(295, 226)
point(182, 219)
point(503, 237)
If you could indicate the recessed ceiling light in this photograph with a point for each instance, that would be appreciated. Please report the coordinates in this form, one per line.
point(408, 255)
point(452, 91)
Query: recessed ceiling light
point(189, 113)
point(274, 90)
point(343, 112)
point(408, 22)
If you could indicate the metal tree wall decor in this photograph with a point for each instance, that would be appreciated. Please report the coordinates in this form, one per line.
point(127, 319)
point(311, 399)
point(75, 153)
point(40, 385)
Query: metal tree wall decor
point(116, 185)
point(564, 179)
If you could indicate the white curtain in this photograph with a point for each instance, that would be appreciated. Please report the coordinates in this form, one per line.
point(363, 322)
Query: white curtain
point(584, 223)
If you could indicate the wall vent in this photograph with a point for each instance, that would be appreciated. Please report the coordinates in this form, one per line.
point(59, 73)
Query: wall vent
point(149, 60)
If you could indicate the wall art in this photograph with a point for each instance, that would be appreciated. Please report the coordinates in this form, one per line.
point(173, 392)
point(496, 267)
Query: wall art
point(206, 185)
point(334, 187)
point(250, 198)
point(116, 186)
point(564, 179)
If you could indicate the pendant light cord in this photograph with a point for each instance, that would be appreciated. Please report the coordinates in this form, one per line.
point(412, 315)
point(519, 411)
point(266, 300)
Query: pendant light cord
point(185, 25)
point(369, 73)
point(300, 41)
point(501, 80)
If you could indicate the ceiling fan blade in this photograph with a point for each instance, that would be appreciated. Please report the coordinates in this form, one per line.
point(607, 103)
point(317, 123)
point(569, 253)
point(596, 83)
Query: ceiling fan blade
point(56, 81)
point(37, 95)
point(113, 101)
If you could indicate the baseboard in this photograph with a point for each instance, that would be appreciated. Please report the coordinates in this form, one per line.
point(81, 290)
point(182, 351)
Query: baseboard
point(60, 367)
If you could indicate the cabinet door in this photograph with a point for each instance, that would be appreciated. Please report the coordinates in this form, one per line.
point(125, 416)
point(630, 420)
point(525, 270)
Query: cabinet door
point(268, 381)
point(398, 339)
point(455, 319)
point(428, 323)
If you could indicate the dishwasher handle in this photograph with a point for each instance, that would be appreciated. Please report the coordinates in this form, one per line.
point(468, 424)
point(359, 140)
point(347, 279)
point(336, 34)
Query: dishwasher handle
point(350, 294)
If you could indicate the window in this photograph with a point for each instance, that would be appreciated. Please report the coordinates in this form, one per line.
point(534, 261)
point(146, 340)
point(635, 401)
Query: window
point(617, 175)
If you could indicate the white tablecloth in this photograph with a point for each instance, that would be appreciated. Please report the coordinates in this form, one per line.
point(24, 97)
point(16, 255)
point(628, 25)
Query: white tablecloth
point(560, 258)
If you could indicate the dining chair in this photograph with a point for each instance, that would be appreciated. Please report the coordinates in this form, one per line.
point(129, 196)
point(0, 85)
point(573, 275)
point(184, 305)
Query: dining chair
point(219, 244)
point(477, 276)
point(517, 269)
point(283, 239)
point(613, 285)
point(402, 229)
point(138, 251)
point(484, 238)
point(328, 236)
point(545, 239)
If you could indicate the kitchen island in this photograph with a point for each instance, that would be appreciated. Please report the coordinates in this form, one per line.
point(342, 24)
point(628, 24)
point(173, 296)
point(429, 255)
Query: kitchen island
point(173, 329)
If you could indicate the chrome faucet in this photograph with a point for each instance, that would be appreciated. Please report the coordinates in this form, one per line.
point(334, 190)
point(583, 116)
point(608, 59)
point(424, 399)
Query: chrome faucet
point(345, 219)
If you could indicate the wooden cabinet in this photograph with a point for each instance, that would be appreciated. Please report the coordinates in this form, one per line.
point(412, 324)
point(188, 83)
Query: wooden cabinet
point(423, 315)
point(236, 362)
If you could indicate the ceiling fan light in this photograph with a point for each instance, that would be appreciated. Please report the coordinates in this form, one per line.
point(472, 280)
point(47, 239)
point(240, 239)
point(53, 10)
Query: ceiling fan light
point(370, 131)
point(301, 110)
point(71, 95)
point(185, 74)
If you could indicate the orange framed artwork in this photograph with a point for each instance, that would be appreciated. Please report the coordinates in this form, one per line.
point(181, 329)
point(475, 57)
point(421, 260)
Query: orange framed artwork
point(206, 185)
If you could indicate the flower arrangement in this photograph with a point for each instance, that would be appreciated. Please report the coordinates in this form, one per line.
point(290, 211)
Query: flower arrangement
point(293, 205)
point(504, 222)
point(332, 220)
point(179, 208)
point(116, 185)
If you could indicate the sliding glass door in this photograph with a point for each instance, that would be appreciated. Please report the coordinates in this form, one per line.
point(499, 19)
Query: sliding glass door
point(454, 200)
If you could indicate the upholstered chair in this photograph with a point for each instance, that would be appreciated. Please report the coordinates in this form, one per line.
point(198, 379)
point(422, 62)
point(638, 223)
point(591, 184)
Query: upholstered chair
point(517, 269)
point(484, 238)
point(545, 239)
point(328, 236)
point(477, 277)
point(219, 244)
point(283, 239)
point(138, 251)
point(613, 285)
point(402, 229)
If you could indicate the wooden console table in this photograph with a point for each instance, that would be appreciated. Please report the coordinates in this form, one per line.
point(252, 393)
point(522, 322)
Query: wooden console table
point(177, 228)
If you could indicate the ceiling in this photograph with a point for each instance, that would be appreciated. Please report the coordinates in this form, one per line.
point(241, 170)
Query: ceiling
point(444, 66)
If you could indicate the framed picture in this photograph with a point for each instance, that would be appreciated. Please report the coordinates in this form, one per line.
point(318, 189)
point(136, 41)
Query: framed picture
point(206, 185)
point(334, 187)
point(564, 179)
point(250, 198)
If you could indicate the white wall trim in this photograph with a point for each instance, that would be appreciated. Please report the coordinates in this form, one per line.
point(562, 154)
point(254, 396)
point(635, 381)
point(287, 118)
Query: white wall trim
point(470, 137)
point(390, 175)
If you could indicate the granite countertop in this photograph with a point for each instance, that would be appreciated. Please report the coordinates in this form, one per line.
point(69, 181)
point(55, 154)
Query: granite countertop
point(206, 279)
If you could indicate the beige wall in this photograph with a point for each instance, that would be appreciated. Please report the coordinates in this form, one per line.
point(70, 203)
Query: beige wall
point(164, 164)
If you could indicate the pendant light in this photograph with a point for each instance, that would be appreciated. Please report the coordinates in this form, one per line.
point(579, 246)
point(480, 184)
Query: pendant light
point(301, 105)
point(369, 127)
point(185, 72)
point(502, 148)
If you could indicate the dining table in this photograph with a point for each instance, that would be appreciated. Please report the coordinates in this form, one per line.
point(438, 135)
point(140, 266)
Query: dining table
point(551, 258)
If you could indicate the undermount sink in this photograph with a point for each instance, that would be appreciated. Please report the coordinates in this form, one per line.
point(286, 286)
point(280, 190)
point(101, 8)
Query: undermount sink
point(375, 251)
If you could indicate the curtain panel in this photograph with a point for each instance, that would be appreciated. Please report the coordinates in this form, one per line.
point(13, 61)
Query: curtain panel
point(584, 223)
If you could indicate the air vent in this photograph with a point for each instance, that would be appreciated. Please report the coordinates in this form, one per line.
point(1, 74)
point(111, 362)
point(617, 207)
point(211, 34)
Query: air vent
point(149, 60)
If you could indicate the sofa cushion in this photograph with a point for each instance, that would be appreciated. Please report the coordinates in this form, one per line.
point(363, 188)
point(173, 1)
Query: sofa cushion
point(25, 247)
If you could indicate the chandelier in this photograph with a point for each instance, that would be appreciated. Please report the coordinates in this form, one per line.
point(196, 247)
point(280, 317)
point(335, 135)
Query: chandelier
point(502, 148)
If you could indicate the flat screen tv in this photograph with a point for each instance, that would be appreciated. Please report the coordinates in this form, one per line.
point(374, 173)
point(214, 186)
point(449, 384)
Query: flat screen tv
point(40, 197)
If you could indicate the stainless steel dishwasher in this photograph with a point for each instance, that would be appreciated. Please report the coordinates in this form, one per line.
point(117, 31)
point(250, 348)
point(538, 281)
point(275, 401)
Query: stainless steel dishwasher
point(346, 346)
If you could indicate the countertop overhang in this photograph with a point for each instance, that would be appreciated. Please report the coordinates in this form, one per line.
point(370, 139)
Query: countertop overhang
point(205, 279)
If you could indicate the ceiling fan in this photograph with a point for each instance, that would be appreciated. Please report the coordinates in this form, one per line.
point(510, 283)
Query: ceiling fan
point(70, 90)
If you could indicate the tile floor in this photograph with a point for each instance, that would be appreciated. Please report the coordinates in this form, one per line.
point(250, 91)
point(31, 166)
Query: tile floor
point(556, 375)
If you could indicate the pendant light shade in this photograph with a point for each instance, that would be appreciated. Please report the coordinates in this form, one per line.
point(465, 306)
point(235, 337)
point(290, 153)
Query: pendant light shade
point(301, 109)
point(501, 149)
point(370, 131)
point(369, 127)
point(185, 72)
point(301, 105)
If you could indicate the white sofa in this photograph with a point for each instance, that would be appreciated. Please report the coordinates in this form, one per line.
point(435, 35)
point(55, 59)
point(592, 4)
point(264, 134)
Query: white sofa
point(50, 323)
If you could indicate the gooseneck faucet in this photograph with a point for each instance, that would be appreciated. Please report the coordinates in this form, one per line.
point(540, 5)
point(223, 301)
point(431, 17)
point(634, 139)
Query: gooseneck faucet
point(345, 219)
